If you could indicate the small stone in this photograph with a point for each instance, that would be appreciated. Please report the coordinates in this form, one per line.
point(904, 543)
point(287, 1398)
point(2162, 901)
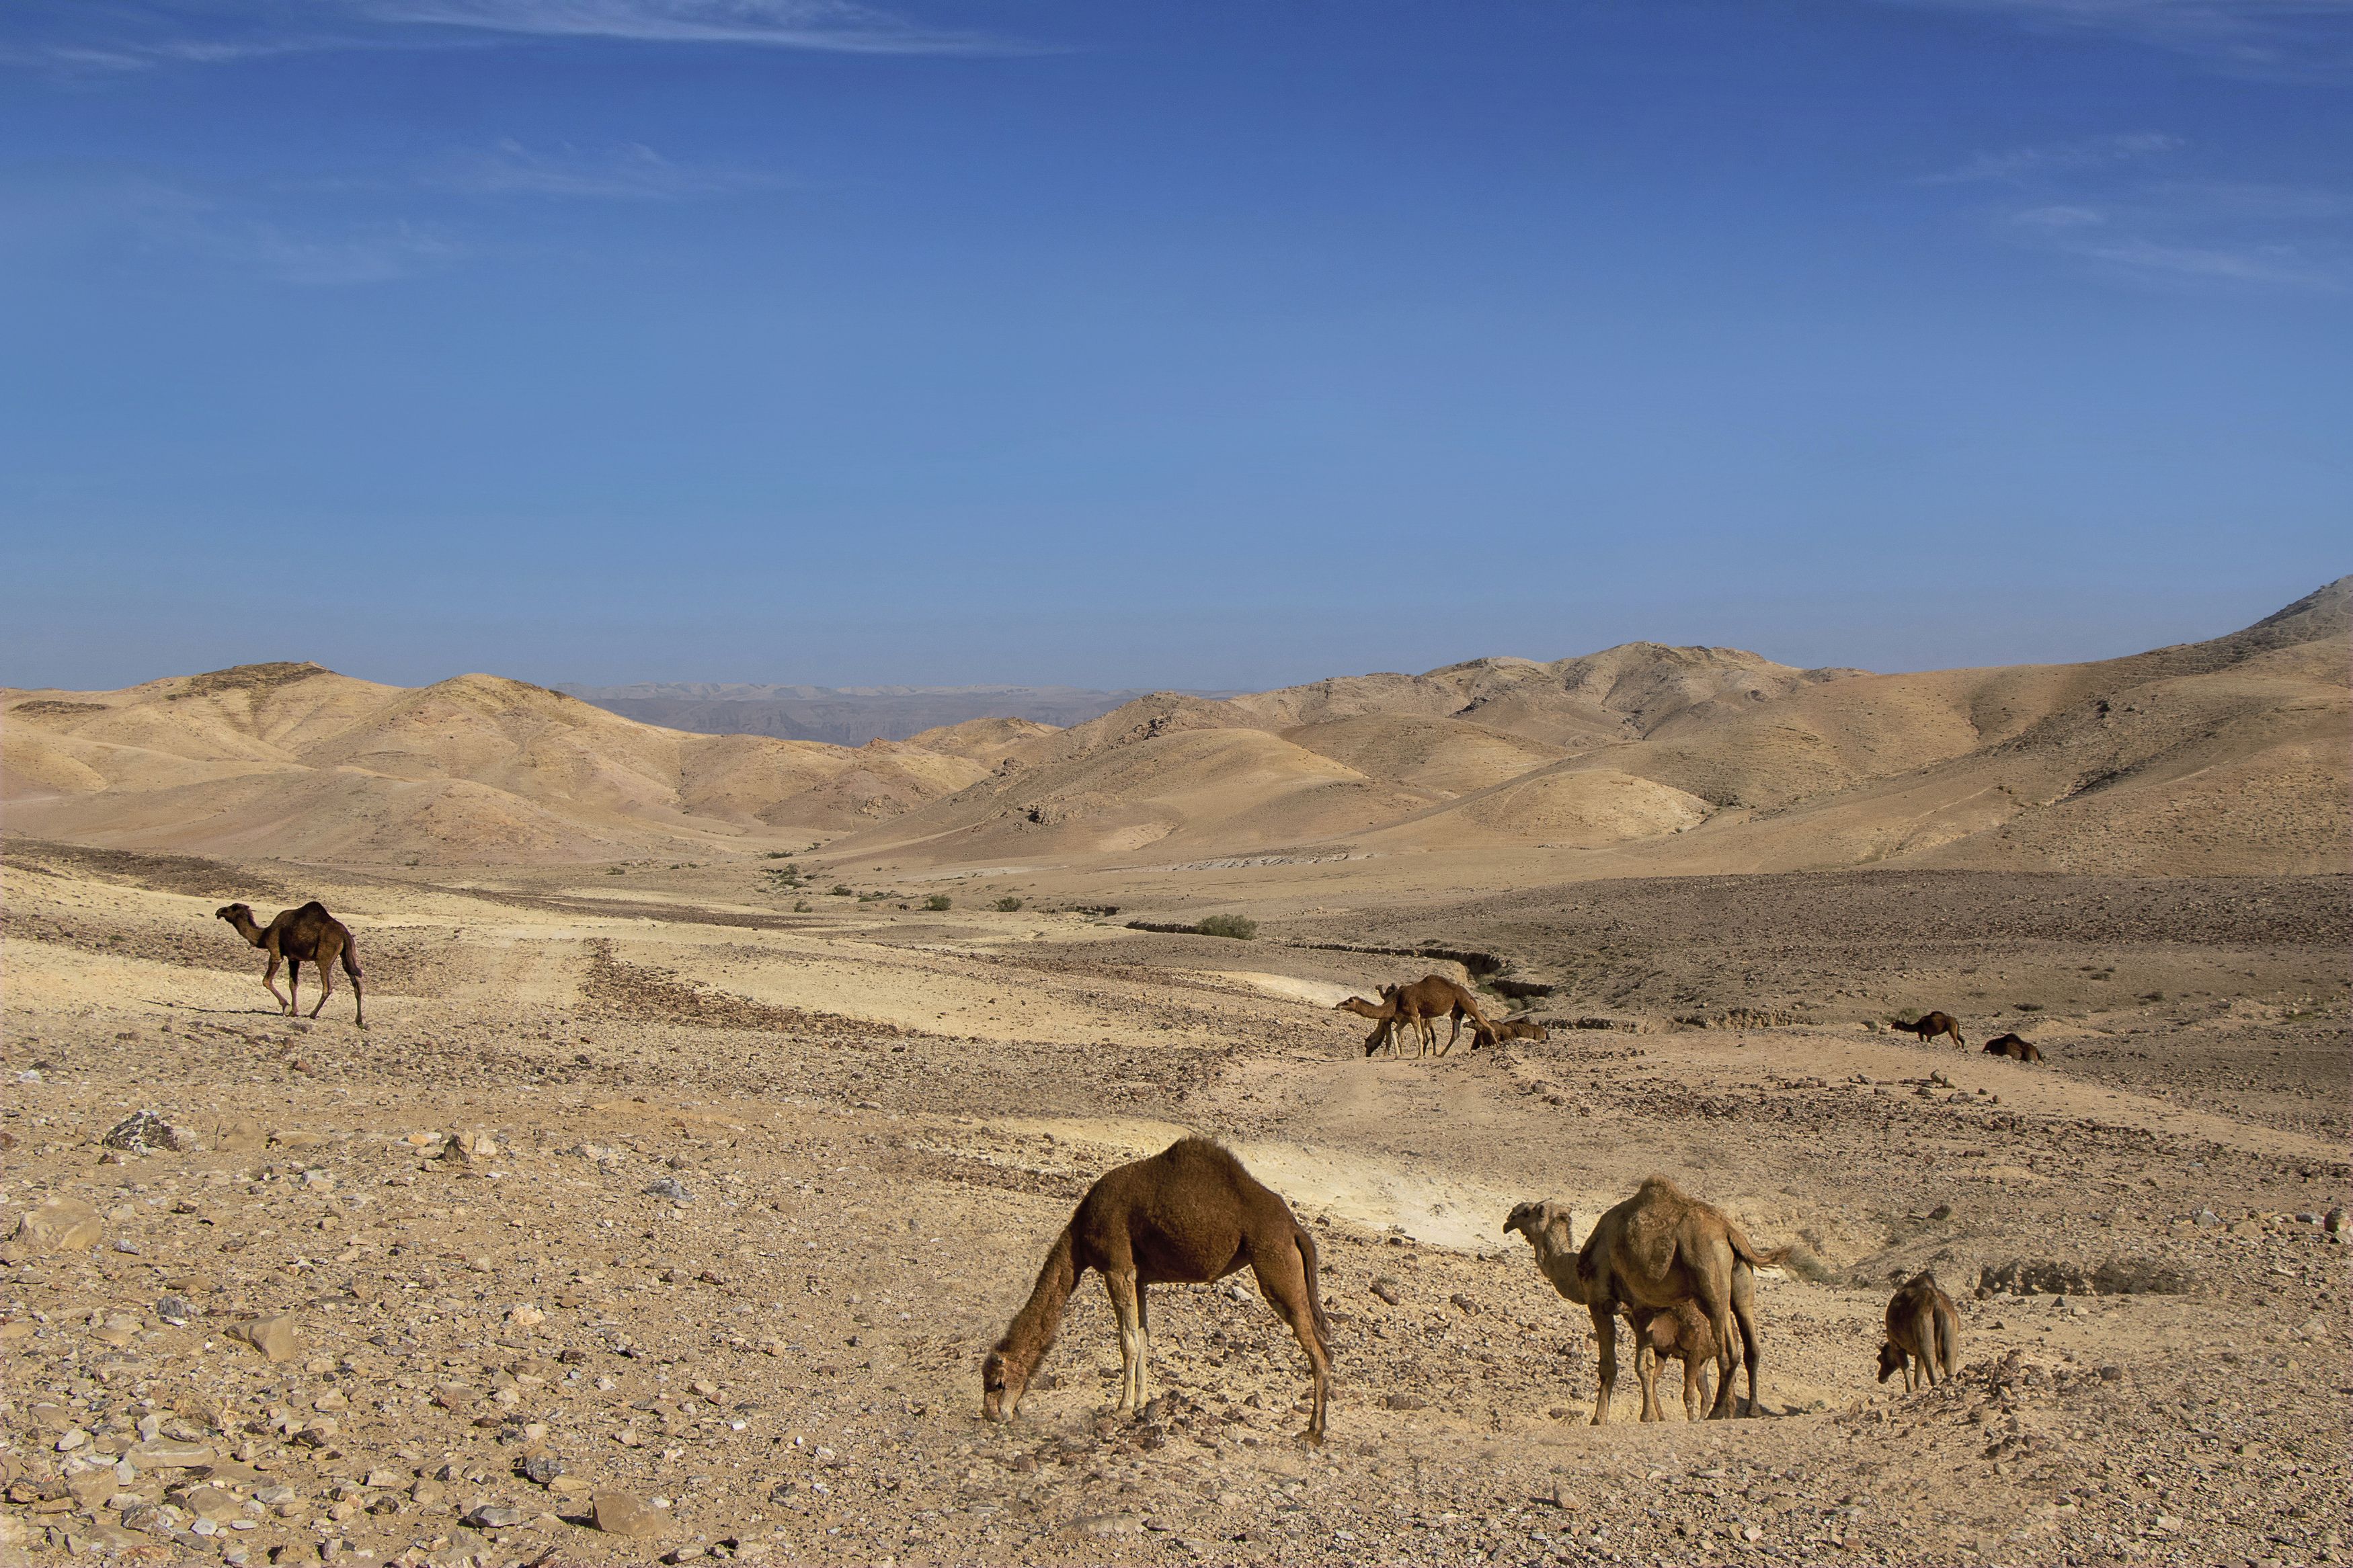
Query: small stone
point(497, 1516)
point(212, 1503)
point(2208, 1219)
point(169, 1454)
point(1463, 1304)
point(115, 1329)
point(542, 1468)
point(386, 1480)
point(2334, 1222)
point(238, 1136)
point(618, 1513)
point(1386, 1290)
point(1405, 1402)
point(670, 1189)
point(526, 1315)
point(61, 1224)
point(275, 1338)
point(175, 1310)
point(1104, 1525)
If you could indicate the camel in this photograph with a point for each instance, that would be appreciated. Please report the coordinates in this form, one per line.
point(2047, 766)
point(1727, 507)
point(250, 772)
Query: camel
point(308, 934)
point(1682, 1334)
point(2015, 1048)
point(1510, 1029)
point(1432, 997)
point(1923, 1334)
point(1931, 1025)
point(1384, 1014)
point(1186, 1215)
point(1657, 1248)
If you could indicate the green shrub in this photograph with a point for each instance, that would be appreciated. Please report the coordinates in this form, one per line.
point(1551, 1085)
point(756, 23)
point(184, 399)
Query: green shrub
point(936, 901)
point(803, 907)
point(1008, 903)
point(842, 890)
point(613, 871)
point(1241, 928)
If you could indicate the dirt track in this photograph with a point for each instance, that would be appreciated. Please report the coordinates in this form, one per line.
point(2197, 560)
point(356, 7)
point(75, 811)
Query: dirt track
point(880, 1118)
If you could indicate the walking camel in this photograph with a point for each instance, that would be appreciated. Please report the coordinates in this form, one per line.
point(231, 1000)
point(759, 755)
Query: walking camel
point(308, 934)
point(1928, 1026)
point(1186, 1215)
point(1656, 1249)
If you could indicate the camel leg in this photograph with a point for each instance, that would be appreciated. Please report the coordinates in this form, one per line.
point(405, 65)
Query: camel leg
point(1121, 1287)
point(1924, 1329)
point(1694, 1385)
point(269, 978)
point(1743, 1313)
point(293, 987)
point(1284, 1282)
point(326, 986)
point(1646, 1367)
point(1605, 1357)
point(1718, 1308)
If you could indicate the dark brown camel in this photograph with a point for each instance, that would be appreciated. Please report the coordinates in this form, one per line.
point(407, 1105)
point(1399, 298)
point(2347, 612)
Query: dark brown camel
point(309, 934)
point(1931, 1025)
point(1656, 1249)
point(1923, 1334)
point(1186, 1215)
point(2015, 1048)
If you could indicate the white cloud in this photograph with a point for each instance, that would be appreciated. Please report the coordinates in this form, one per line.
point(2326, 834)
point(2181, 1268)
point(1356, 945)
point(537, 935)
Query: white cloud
point(632, 171)
point(832, 24)
point(2293, 37)
point(2059, 157)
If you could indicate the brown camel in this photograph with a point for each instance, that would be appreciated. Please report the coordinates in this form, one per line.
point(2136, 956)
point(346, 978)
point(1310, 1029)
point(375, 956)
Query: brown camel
point(1931, 1025)
point(1430, 998)
point(1682, 1334)
point(1510, 1029)
point(1923, 1334)
point(1189, 1214)
point(2015, 1048)
point(309, 934)
point(1657, 1248)
point(1384, 1014)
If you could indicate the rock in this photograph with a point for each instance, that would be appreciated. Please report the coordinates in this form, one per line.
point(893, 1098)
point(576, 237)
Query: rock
point(116, 1328)
point(1104, 1525)
point(1386, 1290)
point(275, 1338)
point(175, 1310)
point(61, 1224)
point(497, 1516)
point(213, 1503)
point(1405, 1402)
point(1463, 1304)
point(618, 1513)
point(2208, 1219)
point(238, 1136)
point(143, 1130)
point(526, 1315)
point(427, 1491)
point(2334, 1222)
point(169, 1454)
point(542, 1468)
point(670, 1189)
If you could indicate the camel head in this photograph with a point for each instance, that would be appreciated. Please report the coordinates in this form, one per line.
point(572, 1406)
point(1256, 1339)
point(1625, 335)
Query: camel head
point(1538, 1222)
point(1001, 1387)
point(1891, 1360)
point(236, 914)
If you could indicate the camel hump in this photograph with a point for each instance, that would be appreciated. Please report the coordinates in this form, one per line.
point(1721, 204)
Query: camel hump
point(314, 910)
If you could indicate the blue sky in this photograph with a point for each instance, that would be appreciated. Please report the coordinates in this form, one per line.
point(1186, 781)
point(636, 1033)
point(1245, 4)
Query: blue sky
point(1193, 344)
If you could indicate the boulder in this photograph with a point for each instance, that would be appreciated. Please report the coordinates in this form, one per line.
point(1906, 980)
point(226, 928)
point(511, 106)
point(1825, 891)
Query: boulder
point(61, 1224)
point(618, 1513)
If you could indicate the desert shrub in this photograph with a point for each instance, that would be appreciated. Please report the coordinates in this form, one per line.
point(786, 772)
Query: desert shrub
point(1008, 903)
point(802, 907)
point(1241, 928)
point(936, 901)
point(842, 890)
point(613, 871)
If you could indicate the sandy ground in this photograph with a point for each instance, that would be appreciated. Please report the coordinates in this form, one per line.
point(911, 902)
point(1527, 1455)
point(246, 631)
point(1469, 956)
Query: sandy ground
point(866, 1122)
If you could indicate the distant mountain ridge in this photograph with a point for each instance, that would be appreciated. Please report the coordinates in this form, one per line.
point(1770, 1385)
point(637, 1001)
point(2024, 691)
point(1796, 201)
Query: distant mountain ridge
point(844, 715)
point(2228, 755)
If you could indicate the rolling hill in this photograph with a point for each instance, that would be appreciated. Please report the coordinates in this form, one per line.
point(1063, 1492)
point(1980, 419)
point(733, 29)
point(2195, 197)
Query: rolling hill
point(2224, 755)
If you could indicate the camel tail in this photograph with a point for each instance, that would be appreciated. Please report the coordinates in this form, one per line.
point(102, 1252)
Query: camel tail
point(1747, 1251)
point(351, 956)
point(1948, 1337)
point(1314, 1287)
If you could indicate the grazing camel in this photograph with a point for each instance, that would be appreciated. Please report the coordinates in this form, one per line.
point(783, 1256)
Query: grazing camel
point(1682, 1331)
point(1654, 1250)
point(2015, 1048)
point(1432, 997)
point(1923, 1334)
point(1186, 1215)
point(1931, 1025)
point(1510, 1029)
point(308, 934)
point(1384, 1014)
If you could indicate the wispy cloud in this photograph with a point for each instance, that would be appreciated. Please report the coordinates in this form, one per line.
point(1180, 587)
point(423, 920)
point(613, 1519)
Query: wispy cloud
point(2186, 233)
point(135, 34)
point(632, 171)
point(2290, 37)
point(2058, 157)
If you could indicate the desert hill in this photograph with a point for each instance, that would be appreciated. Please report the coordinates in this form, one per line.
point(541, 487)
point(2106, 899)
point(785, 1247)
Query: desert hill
point(2224, 755)
point(297, 761)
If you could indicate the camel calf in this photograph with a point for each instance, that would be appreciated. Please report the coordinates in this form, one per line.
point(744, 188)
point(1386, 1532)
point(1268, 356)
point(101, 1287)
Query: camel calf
point(1510, 1029)
point(2014, 1047)
point(1681, 1333)
point(1928, 1026)
point(1923, 1334)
